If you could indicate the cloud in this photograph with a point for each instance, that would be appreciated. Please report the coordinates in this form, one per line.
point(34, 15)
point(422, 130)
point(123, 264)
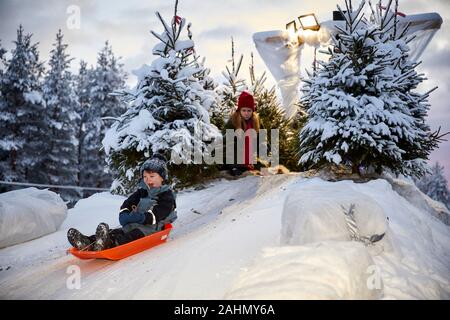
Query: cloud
point(223, 33)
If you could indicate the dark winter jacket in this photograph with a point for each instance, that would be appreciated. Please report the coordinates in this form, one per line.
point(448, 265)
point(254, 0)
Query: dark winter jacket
point(155, 205)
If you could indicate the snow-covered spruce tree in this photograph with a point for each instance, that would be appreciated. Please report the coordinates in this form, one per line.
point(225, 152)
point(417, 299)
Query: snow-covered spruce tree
point(167, 112)
point(101, 106)
point(272, 116)
point(363, 110)
point(435, 184)
point(21, 111)
point(3, 154)
point(228, 92)
point(60, 163)
point(83, 84)
point(108, 78)
point(2, 58)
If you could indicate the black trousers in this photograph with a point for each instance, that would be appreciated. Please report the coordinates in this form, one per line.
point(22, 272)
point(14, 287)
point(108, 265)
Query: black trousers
point(121, 237)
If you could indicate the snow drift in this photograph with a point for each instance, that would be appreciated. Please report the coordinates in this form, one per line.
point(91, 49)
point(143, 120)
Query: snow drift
point(317, 260)
point(323, 270)
point(29, 214)
point(316, 213)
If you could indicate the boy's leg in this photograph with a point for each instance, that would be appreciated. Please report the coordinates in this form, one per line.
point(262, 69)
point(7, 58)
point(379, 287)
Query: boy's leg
point(120, 237)
point(79, 240)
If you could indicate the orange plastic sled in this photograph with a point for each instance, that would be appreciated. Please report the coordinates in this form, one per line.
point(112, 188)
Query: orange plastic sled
point(127, 249)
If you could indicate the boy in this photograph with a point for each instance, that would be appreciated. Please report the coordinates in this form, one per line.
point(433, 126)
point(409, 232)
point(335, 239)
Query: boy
point(143, 213)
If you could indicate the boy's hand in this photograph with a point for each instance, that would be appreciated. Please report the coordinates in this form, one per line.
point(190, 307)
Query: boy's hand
point(127, 217)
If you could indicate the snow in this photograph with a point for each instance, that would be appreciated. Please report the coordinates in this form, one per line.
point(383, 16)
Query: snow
point(313, 212)
point(34, 97)
point(141, 72)
point(228, 243)
point(306, 273)
point(411, 192)
point(29, 214)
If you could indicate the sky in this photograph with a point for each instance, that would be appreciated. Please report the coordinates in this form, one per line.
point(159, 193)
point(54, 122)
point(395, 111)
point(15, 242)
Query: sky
point(86, 26)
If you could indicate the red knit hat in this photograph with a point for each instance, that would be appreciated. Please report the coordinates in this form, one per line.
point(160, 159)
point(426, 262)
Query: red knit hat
point(246, 101)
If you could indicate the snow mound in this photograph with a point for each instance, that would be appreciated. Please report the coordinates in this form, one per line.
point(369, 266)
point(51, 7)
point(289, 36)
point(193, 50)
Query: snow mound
point(314, 211)
point(325, 270)
point(408, 190)
point(29, 214)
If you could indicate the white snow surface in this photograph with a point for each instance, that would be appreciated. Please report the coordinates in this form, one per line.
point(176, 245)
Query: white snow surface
point(227, 244)
point(29, 214)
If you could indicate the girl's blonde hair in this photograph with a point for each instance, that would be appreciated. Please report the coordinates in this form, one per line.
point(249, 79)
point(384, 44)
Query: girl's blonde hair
point(239, 122)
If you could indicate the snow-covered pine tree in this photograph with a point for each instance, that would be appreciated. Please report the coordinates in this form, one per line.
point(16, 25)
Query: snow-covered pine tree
point(167, 108)
point(83, 84)
point(101, 102)
point(228, 91)
point(61, 163)
point(3, 153)
point(108, 78)
point(435, 184)
point(363, 110)
point(21, 110)
point(2, 58)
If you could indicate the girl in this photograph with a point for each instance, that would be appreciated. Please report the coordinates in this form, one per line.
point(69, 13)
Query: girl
point(244, 118)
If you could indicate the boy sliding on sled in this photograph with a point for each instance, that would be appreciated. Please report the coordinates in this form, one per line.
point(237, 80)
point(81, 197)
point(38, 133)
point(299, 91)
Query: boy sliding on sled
point(145, 212)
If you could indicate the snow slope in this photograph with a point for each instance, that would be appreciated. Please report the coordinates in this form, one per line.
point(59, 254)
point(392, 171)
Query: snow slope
point(226, 241)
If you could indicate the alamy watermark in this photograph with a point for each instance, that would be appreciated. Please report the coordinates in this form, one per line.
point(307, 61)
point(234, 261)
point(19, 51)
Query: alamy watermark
point(201, 150)
point(374, 280)
point(73, 21)
point(73, 281)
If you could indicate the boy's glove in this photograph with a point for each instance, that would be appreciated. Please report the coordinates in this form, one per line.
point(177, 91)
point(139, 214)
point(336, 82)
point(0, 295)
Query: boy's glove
point(127, 217)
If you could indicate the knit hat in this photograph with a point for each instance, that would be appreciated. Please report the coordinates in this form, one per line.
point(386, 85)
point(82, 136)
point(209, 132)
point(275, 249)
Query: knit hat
point(157, 163)
point(246, 101)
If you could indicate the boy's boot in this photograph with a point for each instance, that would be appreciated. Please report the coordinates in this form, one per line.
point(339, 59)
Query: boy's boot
point(103, 240)
point(77, 239)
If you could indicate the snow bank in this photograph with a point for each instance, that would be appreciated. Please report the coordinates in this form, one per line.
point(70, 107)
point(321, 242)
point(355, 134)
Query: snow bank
point(29, 214)
point(325, 270)
point(315, 212)
point(408, 190)
point(317, 259)
point(88, 213)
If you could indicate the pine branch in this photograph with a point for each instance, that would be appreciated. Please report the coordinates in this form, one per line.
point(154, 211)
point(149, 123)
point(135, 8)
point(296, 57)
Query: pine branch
point(347, 23)
point(175, 32)
point(232, 55)
point(239, 64)
point(395, 20)
point(349, 13)
point(182, 23)
point(410, 39)
point(166, 27)
point(371, 9)
point(405, 30)
point(252, 70)
point(385, 16)
point(427, 94)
